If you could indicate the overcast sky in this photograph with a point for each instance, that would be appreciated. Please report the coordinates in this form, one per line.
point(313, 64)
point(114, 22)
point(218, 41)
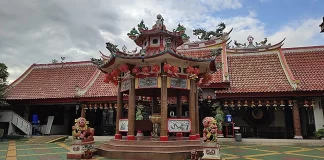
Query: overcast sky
point(37, 31)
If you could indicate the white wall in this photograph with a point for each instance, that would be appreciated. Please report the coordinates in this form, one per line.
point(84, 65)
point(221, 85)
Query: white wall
point(318, 114)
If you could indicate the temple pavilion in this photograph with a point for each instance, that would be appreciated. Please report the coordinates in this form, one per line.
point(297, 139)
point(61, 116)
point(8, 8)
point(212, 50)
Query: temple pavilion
point(269, 90)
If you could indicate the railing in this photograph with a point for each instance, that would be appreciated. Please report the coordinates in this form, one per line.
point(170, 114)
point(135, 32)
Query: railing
point(18, 121)
point(21, 123)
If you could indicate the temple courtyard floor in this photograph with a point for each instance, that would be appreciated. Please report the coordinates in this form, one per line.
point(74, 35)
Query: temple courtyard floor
point(33, 150)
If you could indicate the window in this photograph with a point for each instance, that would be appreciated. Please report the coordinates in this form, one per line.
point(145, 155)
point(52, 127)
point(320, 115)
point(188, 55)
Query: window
point(155, 41)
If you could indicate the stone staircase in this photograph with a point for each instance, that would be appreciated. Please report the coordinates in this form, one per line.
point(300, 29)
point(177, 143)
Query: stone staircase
point(149, 149)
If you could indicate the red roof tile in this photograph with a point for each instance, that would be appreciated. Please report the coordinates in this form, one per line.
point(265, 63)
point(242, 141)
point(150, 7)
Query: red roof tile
point(256, 73)
point(51, 81)
point(100, 89)
point(308, 68)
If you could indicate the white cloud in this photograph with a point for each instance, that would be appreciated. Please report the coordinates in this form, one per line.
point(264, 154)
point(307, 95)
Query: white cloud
point(78, 29)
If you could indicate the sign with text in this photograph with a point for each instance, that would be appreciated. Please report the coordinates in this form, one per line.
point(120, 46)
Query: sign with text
point(179, 125)
point(123, 125)
point(211, 151)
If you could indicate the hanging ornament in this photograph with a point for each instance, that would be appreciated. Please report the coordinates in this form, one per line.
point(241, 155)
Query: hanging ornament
point(105, 106)
point(190, 70)
point(135, 70)
point(225, 104)
point(124, 68)
point(259, 103)
point(146, 69)
point(115, 72)
point(166, 67)
point(174, 69)
point(196, 71)
point(156, 68)
point(282, 103)
point(100, 106)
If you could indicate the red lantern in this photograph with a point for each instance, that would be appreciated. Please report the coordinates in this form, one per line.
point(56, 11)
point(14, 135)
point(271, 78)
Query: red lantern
point(175, 69)
point(123, 68)
point(115, 82)
point(166, 67)
point(196, 71)
point(146, 69)
point(108, 78)
point(115, 72)
point(189, 70)
point(156, 68)
point(135, 70)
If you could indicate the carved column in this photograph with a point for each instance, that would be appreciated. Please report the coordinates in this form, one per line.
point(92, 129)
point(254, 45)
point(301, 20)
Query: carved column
point(164, 109)
point(119, 109)
point(296, 120)
point(197, 111)
point(131, 110)
point(192, 109)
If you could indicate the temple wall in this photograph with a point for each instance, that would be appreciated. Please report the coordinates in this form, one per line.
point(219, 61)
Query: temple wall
point(318, 114)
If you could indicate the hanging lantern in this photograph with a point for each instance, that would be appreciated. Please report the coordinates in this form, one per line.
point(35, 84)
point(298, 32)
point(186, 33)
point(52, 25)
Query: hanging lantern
point(259, 103)
point(105, 106)
point(225, 104)
point(232, 104)
point(290, 103)
point(95, 107)
point(174, 69)
point(115, 82)
point(196, 71)
point(252, 104)
point(90, 107)
point(100, 106)
point(115, 72)
point(267, 103)
point(274, 103)
point(190, 70)
point(135, 70)
point(156, 68)
point(239, 103)
point(282, 103)
point(146, 69)
point(166, 67)
point(245, 103)
point(85, 107)
point(306, 103)
point(124, 68)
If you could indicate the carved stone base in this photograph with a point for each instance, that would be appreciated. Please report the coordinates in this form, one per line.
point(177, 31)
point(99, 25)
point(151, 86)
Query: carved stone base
point(81, 149)
point(211, 151)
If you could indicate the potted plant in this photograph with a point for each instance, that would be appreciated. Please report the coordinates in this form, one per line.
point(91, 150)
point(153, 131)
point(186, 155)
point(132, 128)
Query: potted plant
point(319, 133)
point(219, 117)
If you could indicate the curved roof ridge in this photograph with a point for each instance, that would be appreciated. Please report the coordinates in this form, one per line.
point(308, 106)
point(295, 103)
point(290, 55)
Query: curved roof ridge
point(302, 49)
point(290, 77)
point(83, 89)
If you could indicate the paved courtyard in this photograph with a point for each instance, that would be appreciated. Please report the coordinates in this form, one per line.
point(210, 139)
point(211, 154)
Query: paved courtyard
point(23, 150)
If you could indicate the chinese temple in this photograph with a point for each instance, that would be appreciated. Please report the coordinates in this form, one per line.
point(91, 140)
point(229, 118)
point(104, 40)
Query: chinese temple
point(269, 91)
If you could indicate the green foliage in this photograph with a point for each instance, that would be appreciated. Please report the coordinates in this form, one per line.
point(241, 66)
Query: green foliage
point(3, 79)
point(319, 133)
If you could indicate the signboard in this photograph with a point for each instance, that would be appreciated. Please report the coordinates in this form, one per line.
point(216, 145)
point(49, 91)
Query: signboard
point(228, 118)
point(179, 125)
point(178, 83)
point(123, 125)
point(147, 82)
point(125, 85)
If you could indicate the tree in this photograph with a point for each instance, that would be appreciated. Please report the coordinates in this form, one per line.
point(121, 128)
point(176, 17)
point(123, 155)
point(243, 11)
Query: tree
point(3, 81)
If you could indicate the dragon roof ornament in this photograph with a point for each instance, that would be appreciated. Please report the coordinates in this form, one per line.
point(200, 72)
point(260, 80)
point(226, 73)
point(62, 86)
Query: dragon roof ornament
point(207, 35)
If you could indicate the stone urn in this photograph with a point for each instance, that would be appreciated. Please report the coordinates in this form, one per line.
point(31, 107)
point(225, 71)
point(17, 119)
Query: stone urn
point(156, 120)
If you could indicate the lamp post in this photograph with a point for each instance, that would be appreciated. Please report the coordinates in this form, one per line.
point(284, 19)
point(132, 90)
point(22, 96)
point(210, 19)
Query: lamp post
point(322, 26)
